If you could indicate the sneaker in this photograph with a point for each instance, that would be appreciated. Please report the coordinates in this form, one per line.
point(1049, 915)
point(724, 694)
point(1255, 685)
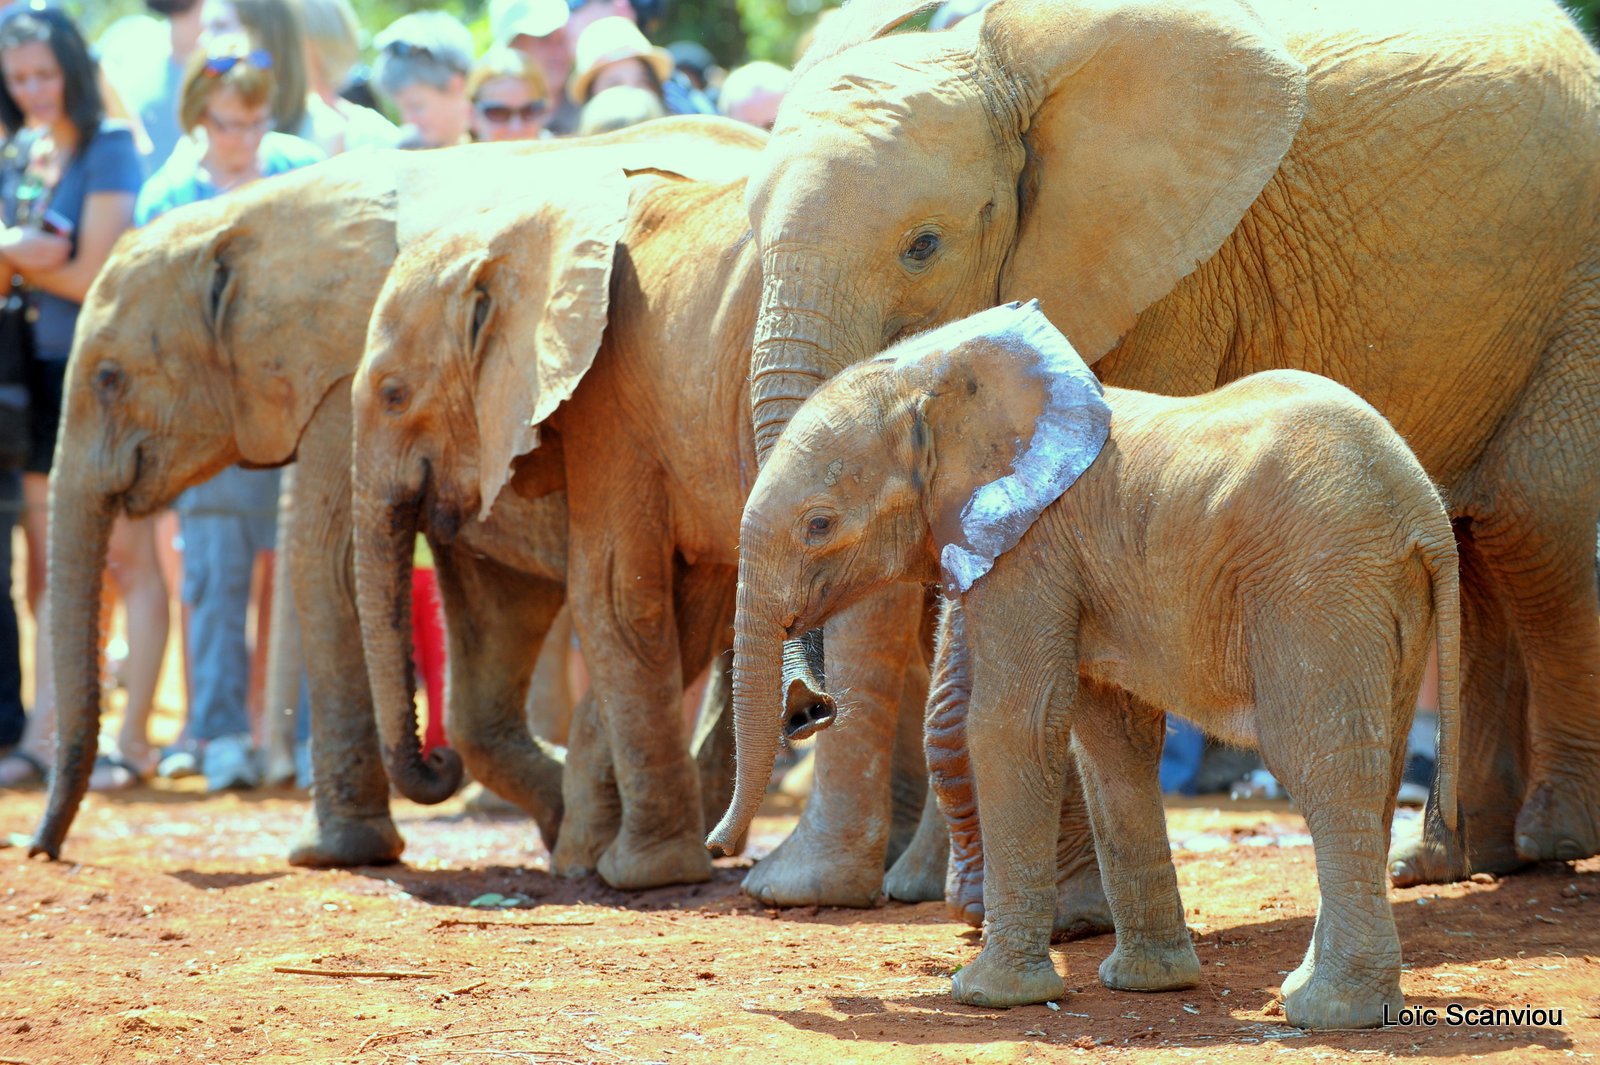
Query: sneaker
point(179, 762)
point(230, 762)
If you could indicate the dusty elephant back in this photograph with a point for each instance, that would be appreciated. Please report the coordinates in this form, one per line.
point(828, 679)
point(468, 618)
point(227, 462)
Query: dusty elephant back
point(1438, 200)
point(1281, 494)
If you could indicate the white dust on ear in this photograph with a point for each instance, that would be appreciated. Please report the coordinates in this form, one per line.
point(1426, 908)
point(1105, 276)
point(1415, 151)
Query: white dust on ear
point(1066, 438)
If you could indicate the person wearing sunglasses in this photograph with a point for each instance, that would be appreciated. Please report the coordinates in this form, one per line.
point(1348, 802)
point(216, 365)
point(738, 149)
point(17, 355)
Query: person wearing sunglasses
point(422, 66)
point(227, 522)
point(509, 98)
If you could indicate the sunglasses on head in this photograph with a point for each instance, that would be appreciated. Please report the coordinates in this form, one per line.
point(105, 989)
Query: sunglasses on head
point(219, 65)
point(500, 114)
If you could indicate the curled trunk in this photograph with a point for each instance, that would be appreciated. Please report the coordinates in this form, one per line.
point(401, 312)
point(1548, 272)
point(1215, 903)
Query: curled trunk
point(385, 538)
point(80, 534)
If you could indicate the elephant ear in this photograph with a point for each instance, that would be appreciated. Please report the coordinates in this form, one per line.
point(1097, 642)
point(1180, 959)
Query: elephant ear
point(540, 305)
point(858, 21)
point(1008, 417)
point(1155, 127)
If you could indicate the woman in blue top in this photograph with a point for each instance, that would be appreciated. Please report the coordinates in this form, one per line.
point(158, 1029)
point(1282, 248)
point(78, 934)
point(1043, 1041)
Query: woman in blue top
point(69, 195)
point(226, 104)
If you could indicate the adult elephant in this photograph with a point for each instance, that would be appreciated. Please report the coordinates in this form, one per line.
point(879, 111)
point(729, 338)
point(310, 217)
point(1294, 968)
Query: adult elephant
point(228, 332)
point(519, 333)
point(1404, 196)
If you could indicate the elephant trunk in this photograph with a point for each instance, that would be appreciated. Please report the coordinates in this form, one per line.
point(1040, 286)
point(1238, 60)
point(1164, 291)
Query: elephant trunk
point(385, 538)
point(797, 349)
point(80, 535)
point(757, 711)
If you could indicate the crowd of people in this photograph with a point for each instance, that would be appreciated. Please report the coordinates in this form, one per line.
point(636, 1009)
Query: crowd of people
point(191, 101)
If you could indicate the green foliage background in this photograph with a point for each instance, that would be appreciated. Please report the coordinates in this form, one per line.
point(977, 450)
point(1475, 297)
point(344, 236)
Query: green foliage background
point(734, 30)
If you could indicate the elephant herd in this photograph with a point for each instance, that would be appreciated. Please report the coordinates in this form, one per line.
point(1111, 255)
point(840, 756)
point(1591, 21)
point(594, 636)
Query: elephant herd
point(565, 364)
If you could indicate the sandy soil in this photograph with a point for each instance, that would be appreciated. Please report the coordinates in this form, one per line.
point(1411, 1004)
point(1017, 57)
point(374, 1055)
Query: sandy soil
point(166, 934)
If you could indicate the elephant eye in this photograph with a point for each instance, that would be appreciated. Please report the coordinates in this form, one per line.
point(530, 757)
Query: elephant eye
point(922, 248)
point(819, 526)
point(394, 396)
point(108, 380)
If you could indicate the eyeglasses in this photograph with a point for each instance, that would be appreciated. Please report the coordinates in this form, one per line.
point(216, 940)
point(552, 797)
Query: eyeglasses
point(219, 65)
point(241, 129)
point(501, 114)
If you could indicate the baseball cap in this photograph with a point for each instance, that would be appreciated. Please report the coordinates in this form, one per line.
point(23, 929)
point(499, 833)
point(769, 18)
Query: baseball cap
point(509, 19)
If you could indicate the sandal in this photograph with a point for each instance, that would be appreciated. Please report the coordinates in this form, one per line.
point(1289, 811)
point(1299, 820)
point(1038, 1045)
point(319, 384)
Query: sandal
point(34, 773)
point(113, 772)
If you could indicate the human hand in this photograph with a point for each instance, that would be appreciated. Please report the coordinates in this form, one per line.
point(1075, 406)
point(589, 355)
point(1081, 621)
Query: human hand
point(33, 249)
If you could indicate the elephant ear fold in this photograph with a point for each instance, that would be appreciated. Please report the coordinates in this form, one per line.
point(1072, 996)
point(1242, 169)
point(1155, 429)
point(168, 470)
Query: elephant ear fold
point(539, 311)
point(855, 22)
point(1157, 126)
point(1012, 417)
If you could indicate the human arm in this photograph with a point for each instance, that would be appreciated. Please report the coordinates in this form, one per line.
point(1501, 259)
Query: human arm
point(106, 215)
point(25, 249)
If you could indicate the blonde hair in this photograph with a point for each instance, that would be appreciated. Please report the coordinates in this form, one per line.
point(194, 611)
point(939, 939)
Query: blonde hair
point(333, 38)
point(201, 84)
point(507, 63)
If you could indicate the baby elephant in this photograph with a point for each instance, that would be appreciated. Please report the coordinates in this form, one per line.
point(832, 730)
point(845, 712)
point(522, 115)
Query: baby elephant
point(1269, 559)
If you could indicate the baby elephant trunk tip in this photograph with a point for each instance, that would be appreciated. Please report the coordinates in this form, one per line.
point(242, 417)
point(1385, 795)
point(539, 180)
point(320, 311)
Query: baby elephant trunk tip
point(806, 712)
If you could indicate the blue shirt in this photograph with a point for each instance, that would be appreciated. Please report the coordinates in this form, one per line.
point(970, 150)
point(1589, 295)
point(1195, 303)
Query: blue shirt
point(108, 163)
point(181, 181)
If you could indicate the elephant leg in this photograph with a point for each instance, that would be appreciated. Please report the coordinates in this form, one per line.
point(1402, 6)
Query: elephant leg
point(1494, 693)
point(704, 603)
point(1017, 730)
point(908, 782)
point(1533, 509)
point(1081, 907)
point(622, 582)
point(285, 660)
point(1335, 737)
point(549, 704)
point(350, 822)
point(495, 621)
point(704, 600)
point(589, 790)
point(918, 875)
point(835, 855)
point(1118, 742)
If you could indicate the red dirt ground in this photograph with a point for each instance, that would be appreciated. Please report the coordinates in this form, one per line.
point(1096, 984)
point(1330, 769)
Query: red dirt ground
point(161, 936)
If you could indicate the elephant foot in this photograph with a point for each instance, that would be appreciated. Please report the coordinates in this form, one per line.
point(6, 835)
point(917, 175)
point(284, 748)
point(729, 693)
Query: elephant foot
point(582, 840)
point(1428, 858)
point(338, 843)
point(1314, 1000)
point(1000, 982)
point(1081, 907)
point(795, 874)
point(1558, 822)
point(1151, 966)
point(918, 874)
point(631, 863)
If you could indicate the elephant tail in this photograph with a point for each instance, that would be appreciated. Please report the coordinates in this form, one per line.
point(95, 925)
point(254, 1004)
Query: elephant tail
point(1444, 571)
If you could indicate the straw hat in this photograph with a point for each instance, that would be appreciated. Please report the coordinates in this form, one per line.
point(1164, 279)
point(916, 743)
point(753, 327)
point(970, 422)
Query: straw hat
point(610, 40)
